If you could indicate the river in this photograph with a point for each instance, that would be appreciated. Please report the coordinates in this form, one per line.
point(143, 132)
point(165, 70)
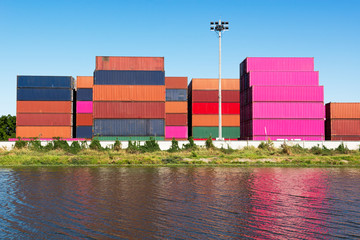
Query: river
point(179, 203)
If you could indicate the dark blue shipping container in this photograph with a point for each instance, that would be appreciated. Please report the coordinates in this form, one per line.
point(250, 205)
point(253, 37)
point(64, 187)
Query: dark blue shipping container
point(45, 82)
point(44, 94)
point(84, 94)
point(129, 77)
point(84, 132)
point(129, 127)
point(176, 94)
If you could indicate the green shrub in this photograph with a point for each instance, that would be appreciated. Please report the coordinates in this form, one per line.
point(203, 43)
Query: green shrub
point(285, 149)
point(150, 146)
point(117, 145)
point(298, 149)
point(193, 154)
point(75, 147)
point(61, 144)
point(172, 160)
point(95, 145)
point(174, 146)
point(209, 143)
point(229, 150)
point(326, 151)
point(342, 149)
point(84, 145)
point(268, 145)
point(35, 145)
point(19, 144)
point(48, 147)
point(316, 150)
point(191, 145)
point(133, 147)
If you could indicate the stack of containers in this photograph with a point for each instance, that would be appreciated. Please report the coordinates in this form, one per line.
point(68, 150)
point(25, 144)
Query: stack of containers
point(281, 99)
point(204, 108)
point(44, 106)
point(342, 121)
point(176, 108)
point(129, 98)
point(84, 106)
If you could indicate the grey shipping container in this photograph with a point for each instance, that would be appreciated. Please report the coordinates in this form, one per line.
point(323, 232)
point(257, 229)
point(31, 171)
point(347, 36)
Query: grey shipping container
point(45, 82)
point(176, 94)
point(129, 127)
point(129, 78)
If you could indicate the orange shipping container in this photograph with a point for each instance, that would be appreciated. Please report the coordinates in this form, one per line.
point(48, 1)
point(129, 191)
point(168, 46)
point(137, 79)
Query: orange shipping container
point(43, 132)
point(176, 82)
point(130, 63)
point(175, 107)
point(84, 119)
point(154, 93)
point(200, 120)
point(84, 81)
point(44, 107)
point(213, 84)
point(343, 110)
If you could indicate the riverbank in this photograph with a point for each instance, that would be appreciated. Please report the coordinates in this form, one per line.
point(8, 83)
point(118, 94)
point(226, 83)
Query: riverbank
point(289, 156)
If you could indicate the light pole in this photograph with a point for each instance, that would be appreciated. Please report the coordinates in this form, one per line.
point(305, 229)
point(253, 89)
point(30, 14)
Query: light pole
point(219, 27)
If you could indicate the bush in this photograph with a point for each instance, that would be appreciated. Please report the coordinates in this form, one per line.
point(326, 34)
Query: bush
point(150, 146)
point(95, 145)
point(229, 150)
point(316, 150)
point(61, 144)
point(285, 149)
point(75, 147)
point(35, 145)
point(342, 149)
point(19, 144)
point(209, 143)
point(174, 146)
point(117, 145)
point(48, 147)
point(268, 145)
point(133, 147)
point(191, 145)
point(84, 145)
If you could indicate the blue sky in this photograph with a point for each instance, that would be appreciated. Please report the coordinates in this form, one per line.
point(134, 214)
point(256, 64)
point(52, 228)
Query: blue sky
point(63, 38)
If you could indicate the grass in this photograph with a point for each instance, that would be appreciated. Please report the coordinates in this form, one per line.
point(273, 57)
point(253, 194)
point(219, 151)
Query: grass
point(211, 156)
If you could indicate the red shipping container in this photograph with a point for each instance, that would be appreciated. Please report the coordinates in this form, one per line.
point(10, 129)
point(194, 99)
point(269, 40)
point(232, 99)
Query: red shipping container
point(176, 119)
point(213, 96)
point(344, 127)
point(84, 119)
point(104, 110)
point(176, 82)
point(43, 119)
point(130, 63)
point(213, 108)
point(344, 138)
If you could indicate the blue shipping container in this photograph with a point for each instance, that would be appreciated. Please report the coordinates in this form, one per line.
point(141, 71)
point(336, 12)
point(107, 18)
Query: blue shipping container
point(176, 94)
point(84, 132)
point(129, 77)
point(45, 82)
point(129, 127)
point(84, 94)
point(44, 94)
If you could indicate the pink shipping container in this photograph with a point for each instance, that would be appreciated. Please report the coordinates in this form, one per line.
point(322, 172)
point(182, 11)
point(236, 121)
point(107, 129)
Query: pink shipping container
point(84, 107)
point(176, 132)
point(288, 110)
point(277, 64)
point(284, 78)
point(288, 93)
point(288, 127)
point(274, 138)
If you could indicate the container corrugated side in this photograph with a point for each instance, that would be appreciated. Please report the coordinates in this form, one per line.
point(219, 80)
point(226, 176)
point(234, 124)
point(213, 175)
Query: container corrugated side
point(345, 138)
point(279, 64)
point(44, 94)
point(129, 127)
point(176, 132)
point(84, 119)
point(287, 93)
point(84, 94)
point(343, 110)
point(213, 96)
point(176, 82)
point(176, 119)
point(176, 95)
point(43, 132)
point(45, 82)
point(44, 107)
point(84, 132)
point(213, 84)
point(205, 132)
point(345, 127)
point(129, 93)
point(130, 138)
point(44, 119)
point(176, 107)
point(213, 108)
point(129, 78)
point(274, 138)
point(209, 120)
point(84, 107)
point(129, 110)
point(130, 63)
point(84, 82)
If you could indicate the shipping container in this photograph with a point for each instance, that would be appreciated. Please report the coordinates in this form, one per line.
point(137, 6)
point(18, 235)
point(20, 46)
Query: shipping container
point(44, 94)
point(44, 119)
point(45, 82)
point(343, 110)
point(131, 138)
point(129, 127)
point(287, 93)
point(84, 107)
point(344, 138)
point(130, 63)
point(129, 93)
point(84, 119)
point(176, 119)
point(44, 107)
point(277, 64)
point(213, 108)
point(205, 132)
point(129, 78)
point(176, 82)
point(344, 127)
point(84, 94)
point(176, 95)
point(288, 127)
point(84, 132)
point(213, 84)
point(129, 110)
point(176, 107)
point(279, 138)
point(176, 132)
point(84, 82)
point(43, 132)
point(210, 120)
point(213, 96)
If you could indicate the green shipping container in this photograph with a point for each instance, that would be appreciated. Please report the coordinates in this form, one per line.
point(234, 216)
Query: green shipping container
point(136, 138)
point(205, 132)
